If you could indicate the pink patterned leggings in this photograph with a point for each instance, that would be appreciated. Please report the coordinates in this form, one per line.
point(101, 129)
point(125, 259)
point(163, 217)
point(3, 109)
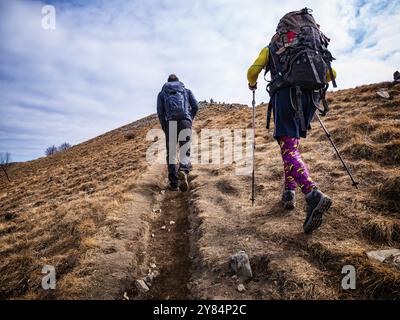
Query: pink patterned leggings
point(296, 172)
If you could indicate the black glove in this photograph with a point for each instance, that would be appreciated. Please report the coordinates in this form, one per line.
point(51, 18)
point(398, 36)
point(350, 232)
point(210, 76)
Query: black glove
point(252, 88)
point(164, 127)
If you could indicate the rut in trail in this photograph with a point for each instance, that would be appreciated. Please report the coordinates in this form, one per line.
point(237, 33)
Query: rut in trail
point(169, 249)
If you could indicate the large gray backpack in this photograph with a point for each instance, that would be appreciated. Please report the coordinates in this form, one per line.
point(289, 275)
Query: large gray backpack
point(299, 56)
point(299, 53)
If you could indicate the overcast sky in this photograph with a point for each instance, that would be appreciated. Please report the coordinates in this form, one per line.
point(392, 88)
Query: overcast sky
point(105, 62)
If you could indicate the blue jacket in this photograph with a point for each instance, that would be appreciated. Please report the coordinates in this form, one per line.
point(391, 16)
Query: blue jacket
point(163, 112)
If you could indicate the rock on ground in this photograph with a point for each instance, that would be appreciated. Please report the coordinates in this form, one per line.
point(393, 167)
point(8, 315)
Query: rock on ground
point(382, 255)
point(141, 286)
point(241, 288)
point(240, 265)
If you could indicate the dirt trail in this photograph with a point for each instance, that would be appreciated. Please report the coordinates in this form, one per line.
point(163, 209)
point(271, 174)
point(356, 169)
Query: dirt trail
point(170, 249)
point(273, 238)
point(166, 245)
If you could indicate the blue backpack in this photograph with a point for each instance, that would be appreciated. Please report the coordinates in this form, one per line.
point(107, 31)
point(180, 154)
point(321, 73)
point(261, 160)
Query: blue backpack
point(176, 101)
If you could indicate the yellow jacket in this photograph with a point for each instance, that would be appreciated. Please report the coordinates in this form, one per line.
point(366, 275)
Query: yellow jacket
point(262, 62)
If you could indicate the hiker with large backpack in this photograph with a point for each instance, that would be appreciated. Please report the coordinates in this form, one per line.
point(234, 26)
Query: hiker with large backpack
point(300, 66)
point(176, 110)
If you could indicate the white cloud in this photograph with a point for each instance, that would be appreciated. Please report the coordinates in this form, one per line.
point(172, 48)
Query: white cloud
point(106, 61)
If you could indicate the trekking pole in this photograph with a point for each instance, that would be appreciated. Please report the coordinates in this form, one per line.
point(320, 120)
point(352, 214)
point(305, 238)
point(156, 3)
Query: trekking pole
point(253, 179)
point(355, 184)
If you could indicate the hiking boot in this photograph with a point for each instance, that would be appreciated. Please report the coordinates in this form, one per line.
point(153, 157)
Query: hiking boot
point(183, 179)
point(289, 199)
point(317, 205)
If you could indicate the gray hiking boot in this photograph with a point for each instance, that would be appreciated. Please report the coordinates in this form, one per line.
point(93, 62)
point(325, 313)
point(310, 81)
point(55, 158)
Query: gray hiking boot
point(317, 205)
point(183, 181)
point(289, 199)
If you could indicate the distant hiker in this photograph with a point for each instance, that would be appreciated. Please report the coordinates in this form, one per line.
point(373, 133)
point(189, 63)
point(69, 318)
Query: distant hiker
point(176, 109)
point(396, 77)
point(299, 62)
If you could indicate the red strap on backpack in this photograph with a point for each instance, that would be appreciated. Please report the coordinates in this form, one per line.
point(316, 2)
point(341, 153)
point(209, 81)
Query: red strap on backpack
point(291, 36)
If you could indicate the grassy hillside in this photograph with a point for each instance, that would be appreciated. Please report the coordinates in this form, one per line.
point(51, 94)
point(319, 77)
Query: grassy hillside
point(93, 213)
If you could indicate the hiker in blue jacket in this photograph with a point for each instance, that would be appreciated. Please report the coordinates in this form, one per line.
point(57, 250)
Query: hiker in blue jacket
point(176, 109)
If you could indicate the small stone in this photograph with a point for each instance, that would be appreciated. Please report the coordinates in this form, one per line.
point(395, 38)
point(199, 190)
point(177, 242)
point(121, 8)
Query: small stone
point(382, 255)
point(152, 274)
point(383, 93)
point(172, 223)
point(162, 192)
point(163, 227)
point(153, 235)
point(148, 283)
point(153, 265)
point(141, 286)
point(155, 273)
point(156, 211)
point(126, 296)
point(240, 265)
point(234, 277)
point(241, 288)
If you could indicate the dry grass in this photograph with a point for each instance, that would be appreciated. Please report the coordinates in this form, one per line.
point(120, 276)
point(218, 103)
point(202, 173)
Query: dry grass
point(61, 210)
point(374, 280)
point(382, 230)
point(384, 153)
point(389, 192)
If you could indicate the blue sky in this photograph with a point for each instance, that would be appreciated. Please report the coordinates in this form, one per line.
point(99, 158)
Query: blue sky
point(106, 61)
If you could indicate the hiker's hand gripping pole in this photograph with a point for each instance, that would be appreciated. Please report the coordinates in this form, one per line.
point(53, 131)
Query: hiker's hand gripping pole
point(253, 178)
point(355, 183)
